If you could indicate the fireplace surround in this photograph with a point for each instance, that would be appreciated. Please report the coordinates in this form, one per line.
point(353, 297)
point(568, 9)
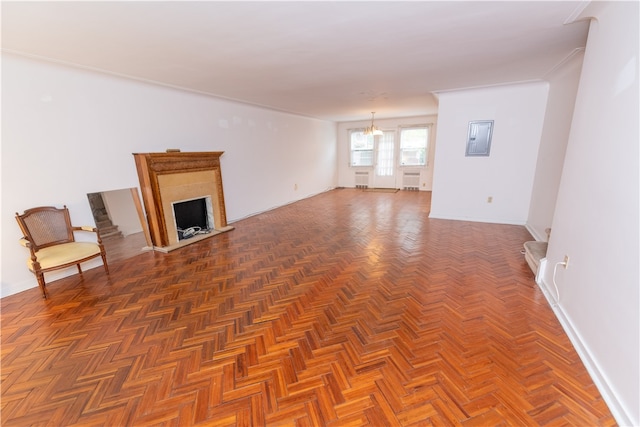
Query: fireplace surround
point(166, 178)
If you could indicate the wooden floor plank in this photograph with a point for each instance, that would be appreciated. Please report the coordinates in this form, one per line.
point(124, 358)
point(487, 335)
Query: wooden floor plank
point(347, 308)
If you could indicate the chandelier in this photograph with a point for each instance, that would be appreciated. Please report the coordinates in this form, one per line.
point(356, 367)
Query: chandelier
point(372, 130)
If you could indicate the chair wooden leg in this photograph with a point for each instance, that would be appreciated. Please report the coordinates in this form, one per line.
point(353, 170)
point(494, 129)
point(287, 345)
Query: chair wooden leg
point(40, 277)
point(104, 261)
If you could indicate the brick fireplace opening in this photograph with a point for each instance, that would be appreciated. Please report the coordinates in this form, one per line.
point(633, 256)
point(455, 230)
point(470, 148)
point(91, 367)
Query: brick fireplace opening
point(175, 177)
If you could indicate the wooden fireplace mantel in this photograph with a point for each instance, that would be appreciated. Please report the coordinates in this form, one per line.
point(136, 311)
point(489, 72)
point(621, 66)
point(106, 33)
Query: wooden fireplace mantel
point(171, 176)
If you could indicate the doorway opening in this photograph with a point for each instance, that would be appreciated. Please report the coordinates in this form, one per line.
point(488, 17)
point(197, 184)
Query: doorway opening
point(118, 222)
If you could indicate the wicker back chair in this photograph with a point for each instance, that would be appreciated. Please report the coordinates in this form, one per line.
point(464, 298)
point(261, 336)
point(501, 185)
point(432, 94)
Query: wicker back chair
point(49, 236)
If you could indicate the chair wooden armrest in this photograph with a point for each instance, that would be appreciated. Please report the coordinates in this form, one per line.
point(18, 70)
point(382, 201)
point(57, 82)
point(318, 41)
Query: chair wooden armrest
point(89, 229)
point(85, 228)
point(25, 242)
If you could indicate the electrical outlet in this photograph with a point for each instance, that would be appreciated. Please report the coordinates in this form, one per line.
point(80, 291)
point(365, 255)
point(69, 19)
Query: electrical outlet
point(566, 261)
point(490, 199)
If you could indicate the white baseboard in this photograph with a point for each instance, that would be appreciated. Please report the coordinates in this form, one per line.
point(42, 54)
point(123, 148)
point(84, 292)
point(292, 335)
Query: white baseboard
point(537, 235)
point(32, 282)
point(619, 412)
point(474, 219)
point(16, 288)
point(308, 196)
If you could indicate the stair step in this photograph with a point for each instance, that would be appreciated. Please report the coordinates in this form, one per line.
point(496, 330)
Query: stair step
point(111, 235)
point(104, 223)
point(108, 227)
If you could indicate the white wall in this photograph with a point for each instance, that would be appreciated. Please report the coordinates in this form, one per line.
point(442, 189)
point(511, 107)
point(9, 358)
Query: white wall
point(597, 215)
point(462, 185)
point(68, 132)
point(563, 85)
point(346, 174)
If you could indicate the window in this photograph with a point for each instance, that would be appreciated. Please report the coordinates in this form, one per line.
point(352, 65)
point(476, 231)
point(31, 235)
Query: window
point(413, 145)
point(361, 148)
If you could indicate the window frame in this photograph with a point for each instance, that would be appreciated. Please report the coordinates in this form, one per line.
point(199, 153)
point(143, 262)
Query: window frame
point(371, 138)
point(401, 149)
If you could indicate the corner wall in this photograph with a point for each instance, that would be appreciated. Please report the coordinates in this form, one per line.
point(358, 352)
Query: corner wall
point(67, 132)
point(596, 217)
point(463, 185)
point(563, 85)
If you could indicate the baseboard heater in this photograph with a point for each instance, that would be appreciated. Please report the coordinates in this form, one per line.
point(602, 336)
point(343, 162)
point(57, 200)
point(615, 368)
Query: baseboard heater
point(411, 181)
point(362, 179)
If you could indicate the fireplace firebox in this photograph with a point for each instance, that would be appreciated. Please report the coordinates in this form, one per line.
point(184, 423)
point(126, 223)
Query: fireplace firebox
point(193, 217)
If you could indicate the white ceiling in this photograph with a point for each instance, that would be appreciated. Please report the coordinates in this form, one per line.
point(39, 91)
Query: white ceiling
point(336, 60)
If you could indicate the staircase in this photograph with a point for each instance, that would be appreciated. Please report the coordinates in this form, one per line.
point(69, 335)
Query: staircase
point(103, 223)
point(107, 229)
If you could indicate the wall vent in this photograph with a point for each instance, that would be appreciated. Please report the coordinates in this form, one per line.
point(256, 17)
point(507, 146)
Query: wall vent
point(362, 179)
point(411, 181)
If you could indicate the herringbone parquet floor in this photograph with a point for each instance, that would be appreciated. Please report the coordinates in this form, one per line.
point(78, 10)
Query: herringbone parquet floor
point(348, 308)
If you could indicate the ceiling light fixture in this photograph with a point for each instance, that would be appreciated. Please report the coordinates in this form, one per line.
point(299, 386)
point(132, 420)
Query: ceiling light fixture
point(372, 130)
